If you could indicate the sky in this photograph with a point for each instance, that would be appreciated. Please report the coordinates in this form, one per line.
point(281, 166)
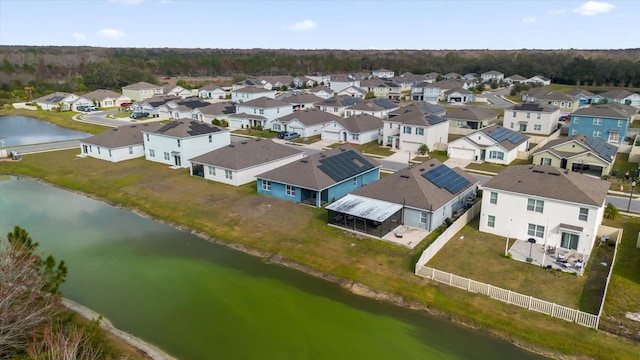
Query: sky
point(319, 24)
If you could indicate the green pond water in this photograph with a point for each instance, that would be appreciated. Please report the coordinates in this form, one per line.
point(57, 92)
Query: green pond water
point(199, 300)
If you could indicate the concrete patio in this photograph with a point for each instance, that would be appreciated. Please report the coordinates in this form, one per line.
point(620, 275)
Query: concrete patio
point(406, 236)
point(551, 260)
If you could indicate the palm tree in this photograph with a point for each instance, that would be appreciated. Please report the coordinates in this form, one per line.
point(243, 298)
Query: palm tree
point(611, 212)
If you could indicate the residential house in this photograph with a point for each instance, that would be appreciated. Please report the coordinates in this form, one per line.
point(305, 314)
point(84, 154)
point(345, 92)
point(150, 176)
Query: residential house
point(219, 110)
point(337, 105)
point(176, 90)
point(320, 178)
point(412, 126)
point(411, 78)
point(432, 77)
point(585, 97)
point(491, 76)
point(212, 92)
point(567, 103)
point(422, 196)
point(246, 121)
point(459, 95)
point(245, 83)
point(515, 79)
point(446, 85)
point(357, 129)
point(622, 96)
point(322, 91)
point(141, 91)
point(353, 91)
point(578, 153)
point(606, 122)
point(251, 93)
point(118, 144)
point(471, 77)
point(320, 78)
point(369, 84)
point(106, 98)
point(61, 101)
point(179, 140)
point(561, 209)
point(388, 90)
point(269, 108)
point(425, 91)
point(240, 162)
point(452, 76)
point(181, 108)
point(307, 122)
point(383, 74)
point(340, 82)
point(532, 118)
point(155, 106)
point(539, 80)
point(375, 107)
point(494, 144)
point(302, 101)
point(471, 117)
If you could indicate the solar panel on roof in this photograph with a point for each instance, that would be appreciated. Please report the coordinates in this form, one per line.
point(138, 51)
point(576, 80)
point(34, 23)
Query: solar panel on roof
point(198, 128)
point(168, 126)
point(443, 177)
point(500, 134)
point(344, 165)
point(603, 149)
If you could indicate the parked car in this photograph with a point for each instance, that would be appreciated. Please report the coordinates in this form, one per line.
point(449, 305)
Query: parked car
point(281, 134)
point(126, 105)
point(291, 136)
point(139, 115)
point(91, 108)
point(81, 107)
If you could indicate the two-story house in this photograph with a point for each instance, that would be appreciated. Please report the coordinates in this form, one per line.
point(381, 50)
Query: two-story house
point(383, 74)
point(606, 122)
point(266, 107)
point(412, 126)
point(343, 81)
point(556, 208)
point(251, 93)
point(491, 76)
point(375, 107)
point(532, 118)
point(425, 91)
point(141, 91)
point(337, 105)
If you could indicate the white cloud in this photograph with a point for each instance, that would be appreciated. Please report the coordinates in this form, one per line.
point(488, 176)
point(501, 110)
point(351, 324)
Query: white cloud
point(304, 25)
point(79, 36)
point(529, 20)
point(591, 8)
point(111, 34)
point(557, 11)
point(127, 2)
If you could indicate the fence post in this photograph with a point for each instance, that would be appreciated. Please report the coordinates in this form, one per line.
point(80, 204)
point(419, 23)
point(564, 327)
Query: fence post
point(576, 318)
point(553, 309)
point(530, 299)
point(509, 297)
point(450, 278)
point(433, 273)
point(468, 284)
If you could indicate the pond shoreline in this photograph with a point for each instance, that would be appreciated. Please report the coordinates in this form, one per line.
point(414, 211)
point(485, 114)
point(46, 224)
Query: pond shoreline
point(349, 285)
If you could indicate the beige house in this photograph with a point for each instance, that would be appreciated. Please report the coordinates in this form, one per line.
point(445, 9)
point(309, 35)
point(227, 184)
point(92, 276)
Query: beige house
point(578, 153)
point(141, 91)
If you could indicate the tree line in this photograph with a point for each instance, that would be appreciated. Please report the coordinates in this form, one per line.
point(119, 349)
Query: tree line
point(79, 69)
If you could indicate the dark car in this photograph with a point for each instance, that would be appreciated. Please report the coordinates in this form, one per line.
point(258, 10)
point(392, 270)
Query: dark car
point(281, 134)
point(291, 136)
point(139, 115)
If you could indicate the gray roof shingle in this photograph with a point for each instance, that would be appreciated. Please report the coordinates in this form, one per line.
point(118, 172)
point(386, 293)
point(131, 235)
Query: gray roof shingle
point(246, 154)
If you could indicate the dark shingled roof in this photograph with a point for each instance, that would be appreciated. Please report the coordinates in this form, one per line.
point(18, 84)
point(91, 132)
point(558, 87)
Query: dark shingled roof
point(606, 110)
point(415, 114)
point(246, 153)
point(101, 94)
point(549, 182)
point(122, 136)
point(184, 128)
point(474, 113)
point(252, 90)
point(411, 188)
point(309, 117)
point(264, 102)
point(600, 148)
point(360, 123)
point(322, 170)
point(340, 101)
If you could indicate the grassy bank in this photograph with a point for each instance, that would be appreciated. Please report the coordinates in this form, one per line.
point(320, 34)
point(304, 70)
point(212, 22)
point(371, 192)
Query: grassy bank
point(240, 216)
point(62, 119)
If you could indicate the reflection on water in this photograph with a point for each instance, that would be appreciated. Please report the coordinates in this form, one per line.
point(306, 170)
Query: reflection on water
point(23, 130)
point(199, 300)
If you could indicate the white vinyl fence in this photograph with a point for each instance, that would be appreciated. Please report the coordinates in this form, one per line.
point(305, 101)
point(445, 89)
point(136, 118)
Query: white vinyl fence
point(510, 297)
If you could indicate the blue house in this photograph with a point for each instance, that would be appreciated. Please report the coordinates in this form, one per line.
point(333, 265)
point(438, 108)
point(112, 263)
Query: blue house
point(585, 97)
point(320, 178)
point(608, 122)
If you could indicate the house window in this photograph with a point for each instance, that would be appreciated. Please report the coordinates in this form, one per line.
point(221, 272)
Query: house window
point(152, 153)
point(261, 111)
point(494, 198)
point(266, 185)
point(228, 174)
point(194, 116)
point(335, 109)
point(423, 217)
point(98, 150)
point(407, 130)
point(491, 221)
point(212, 170)
point(178, 142)
point(584, 214)
point(130, 150)
point(511, 125)
point(528, 115)
point(459, 123)
point(535, 205)
point(290, 190)
point(537, 127)
point(109, 152)
point(597, 133)
point(574, 131)
point(570, 105)
point(569, 241)
point(167, 156)
point(355, 182)
point(496, 155)
point(597, 121)
point(147, 137)
point(210, 138)
point(514, 114)
point(419, 131)
point(576, 120)
point(536, 230)
point(538, 116)
point(614, 137)
point(562, 104)
point(620, 123)
point(276, 126)
point(546, 161)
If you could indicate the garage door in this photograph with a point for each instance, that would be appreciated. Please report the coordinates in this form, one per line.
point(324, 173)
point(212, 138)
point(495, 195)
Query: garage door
point(460, 153)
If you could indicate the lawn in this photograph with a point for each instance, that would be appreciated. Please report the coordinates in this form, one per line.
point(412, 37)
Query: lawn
point(369, 148)
point(307, 140)
point(239, 216)
point(266, 133)
point(62, 119)
point(440, 155)
point(495, 168)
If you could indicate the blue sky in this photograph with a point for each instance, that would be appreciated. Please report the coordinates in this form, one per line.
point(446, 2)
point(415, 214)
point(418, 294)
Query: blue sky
point(317, 24)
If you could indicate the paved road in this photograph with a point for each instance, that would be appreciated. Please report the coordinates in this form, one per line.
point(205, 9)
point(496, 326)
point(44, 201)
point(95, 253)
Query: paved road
point(622, 202)
point(36, 148)
point(494, 97)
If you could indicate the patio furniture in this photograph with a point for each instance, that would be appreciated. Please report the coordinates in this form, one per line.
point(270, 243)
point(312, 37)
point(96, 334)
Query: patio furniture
point(398, 233)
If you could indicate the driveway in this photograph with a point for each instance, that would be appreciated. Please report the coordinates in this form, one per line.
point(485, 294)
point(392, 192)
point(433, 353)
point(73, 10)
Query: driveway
point(457, 162)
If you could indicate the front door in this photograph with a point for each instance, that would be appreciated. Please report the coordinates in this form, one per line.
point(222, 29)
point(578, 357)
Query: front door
point(177, 160)
point(563, 163)
point(483, 153)
point(84, 149)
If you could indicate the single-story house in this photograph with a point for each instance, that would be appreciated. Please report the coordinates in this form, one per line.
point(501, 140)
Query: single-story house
point(307, 123)
point(556, 208)
point(471, 117)
point(320, 178)
point(118, 144)
point(539, 80)
point(61, 101)
point(353, 91)
point(383, 74)
point(622, 96)
point(578, 153)
point(357, 129)
point(176, 90)
point(459, 95)
point(585, 97)
point(239, 162)
point(302, 101)
point(495, 144)
point(321, 91)
point(423, 196)
point(375, 107)
point(106, 98)
point(211, 92)
point(183, 139)
point(515, 79)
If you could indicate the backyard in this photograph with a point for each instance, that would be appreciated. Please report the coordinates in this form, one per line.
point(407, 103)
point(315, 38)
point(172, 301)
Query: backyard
point(372, 147)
